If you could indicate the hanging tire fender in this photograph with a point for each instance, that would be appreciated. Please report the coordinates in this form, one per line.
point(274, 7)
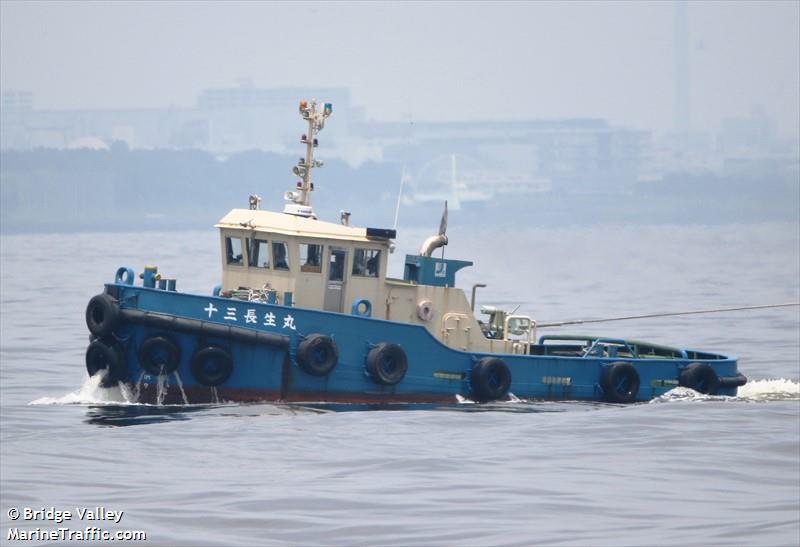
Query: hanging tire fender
point(700, 377)
point(102, 315)
point(106, 354)
point(490, 379)
point(733, 381)
point(317, 354)
point(211, 366)
point(159, 355)
point(387, 364)
point(620, 382)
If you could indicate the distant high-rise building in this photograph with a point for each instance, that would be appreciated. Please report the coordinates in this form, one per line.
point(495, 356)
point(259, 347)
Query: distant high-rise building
point(14, 100)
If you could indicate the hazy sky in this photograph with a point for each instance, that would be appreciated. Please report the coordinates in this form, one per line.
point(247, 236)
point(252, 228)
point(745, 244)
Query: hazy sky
point(449, 60)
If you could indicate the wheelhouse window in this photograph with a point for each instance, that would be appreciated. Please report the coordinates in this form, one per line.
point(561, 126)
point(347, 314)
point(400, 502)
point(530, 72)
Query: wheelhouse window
point(366, 262)
point(310, 258)
point(258, 253)
point(280, 255)
point(233, 250)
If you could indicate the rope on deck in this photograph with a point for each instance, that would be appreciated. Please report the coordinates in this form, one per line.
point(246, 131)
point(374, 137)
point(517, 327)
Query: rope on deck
point(666, 314)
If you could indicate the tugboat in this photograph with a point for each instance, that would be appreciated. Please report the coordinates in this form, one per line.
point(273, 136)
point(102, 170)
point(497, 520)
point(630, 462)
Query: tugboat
point(305, 312)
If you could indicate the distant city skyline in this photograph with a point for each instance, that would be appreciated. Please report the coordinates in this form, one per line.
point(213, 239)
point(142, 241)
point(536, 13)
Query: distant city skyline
point(432, 61)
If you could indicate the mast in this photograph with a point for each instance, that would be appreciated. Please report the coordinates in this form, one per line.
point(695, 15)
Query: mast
point(300, 198)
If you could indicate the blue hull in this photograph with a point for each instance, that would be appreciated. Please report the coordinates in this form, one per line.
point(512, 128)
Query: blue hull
point(262, 342)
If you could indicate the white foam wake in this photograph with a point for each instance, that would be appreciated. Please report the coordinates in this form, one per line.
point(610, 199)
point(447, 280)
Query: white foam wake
point(91, 392)
point(460, 399)
point(680, 394)
point(770, 389)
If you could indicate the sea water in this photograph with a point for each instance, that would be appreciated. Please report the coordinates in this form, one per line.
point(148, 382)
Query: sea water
point(683, 469)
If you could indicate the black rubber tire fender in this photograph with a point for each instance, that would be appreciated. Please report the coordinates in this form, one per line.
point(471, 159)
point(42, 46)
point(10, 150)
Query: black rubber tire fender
point(211, 366)
point(700, 377)
point(159, 355)
point(102, 315)
point(317, 354)
point(106, 354)
point(620, 382)
point(387, 363)
point(490, 379)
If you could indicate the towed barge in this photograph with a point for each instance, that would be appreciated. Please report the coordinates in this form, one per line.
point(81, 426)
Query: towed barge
point(305, 312)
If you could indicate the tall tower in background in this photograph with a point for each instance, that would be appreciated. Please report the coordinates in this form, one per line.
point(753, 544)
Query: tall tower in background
point(682, 110)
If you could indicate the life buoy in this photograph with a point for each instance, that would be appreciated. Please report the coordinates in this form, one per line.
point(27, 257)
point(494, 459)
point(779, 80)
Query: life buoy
point(211, 366)
point(362, 307)
point(102, 315)
point(490, 379)
point(620, 382)
point(108, 355)
point(387, 363)
point(159, 355)
point(425, 310)
point(317, 354)
point(700, 377)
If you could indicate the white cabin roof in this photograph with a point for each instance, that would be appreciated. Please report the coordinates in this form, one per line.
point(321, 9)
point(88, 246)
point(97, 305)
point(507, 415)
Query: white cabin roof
point(292, 225)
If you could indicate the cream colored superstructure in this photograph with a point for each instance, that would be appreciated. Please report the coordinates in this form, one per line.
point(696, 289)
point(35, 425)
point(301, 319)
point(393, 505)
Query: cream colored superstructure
point(444, 311)
point(307, 284)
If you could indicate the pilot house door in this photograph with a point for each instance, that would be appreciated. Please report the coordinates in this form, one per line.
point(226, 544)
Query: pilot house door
point(334, 288)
